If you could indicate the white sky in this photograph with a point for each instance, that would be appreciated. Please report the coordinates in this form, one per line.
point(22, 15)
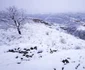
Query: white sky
point(46, 6)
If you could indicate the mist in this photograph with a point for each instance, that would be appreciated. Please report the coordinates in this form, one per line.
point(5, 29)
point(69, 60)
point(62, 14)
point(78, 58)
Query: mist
point(45, 6)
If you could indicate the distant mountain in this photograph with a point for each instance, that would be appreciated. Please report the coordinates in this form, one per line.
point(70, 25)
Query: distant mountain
point(60, 18)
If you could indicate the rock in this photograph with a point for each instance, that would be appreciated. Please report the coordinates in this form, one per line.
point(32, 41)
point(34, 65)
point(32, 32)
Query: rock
point(27, 49)
point(65, 61)
point(62, 68)
point(54, 68)
point(77, 66)
point(11, 50)
point(18, 62)
point(35, 47)
point(27, 56)
point(21, 58)
point(31, 48)
point(40, 51)
point(16, 57)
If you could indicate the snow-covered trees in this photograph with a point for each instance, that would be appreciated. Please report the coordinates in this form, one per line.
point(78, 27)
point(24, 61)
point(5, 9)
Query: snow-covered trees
point(13, 16)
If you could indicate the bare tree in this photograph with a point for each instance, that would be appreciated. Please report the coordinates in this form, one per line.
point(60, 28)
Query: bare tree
point(13, 16)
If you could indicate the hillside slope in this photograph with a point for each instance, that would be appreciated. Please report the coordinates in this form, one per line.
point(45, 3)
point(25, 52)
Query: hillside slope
point(40, 47)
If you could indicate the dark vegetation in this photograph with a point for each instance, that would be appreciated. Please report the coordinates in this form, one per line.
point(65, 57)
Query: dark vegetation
point(73, 31)
point(40, 21)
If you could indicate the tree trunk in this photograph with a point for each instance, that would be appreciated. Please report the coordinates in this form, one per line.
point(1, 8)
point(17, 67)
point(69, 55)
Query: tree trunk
point(17, 26)
point(18, 29)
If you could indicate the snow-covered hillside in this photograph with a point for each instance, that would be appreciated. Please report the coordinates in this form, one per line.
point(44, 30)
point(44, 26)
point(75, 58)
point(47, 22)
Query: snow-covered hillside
point(40, 47)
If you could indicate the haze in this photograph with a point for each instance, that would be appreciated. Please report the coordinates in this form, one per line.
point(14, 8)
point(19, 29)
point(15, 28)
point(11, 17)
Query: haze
point(45, 6)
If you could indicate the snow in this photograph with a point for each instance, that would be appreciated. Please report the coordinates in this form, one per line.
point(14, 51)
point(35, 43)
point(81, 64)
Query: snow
point(48, 62)
point(81, 27)
point(53, 46)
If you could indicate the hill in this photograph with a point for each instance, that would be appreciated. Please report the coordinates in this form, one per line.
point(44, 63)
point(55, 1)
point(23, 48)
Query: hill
point(40, 47)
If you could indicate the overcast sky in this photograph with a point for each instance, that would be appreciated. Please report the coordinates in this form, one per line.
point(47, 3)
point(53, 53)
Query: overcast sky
point(45, 6)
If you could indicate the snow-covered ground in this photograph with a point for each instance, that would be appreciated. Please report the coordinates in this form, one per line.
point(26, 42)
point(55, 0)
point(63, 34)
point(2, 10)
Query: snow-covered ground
point(40, 47)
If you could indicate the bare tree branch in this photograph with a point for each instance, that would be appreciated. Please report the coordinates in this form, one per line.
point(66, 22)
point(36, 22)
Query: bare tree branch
point(14, 16)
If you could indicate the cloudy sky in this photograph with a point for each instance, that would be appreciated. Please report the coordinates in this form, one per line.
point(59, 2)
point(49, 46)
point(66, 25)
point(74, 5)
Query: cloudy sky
point(45, 6)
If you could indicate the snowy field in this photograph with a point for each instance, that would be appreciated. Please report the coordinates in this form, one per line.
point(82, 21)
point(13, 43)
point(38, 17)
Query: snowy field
point(40, 47)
